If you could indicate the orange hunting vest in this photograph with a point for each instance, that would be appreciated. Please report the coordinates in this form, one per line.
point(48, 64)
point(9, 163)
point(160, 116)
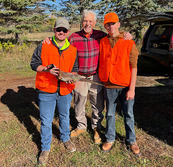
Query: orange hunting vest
point(114, 62)
point(50, 55)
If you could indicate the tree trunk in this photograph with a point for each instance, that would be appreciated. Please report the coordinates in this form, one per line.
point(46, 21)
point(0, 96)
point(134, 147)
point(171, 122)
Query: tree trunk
point(16, 37)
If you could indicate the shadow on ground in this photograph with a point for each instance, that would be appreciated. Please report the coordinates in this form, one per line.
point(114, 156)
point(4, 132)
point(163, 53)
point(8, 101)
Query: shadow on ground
point(154, 105)
point(24, 105)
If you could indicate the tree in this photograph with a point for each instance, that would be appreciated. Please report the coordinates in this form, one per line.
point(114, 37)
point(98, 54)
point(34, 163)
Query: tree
point(73, 9)
point(128, 8)
point(18, 16)
point(124, 8)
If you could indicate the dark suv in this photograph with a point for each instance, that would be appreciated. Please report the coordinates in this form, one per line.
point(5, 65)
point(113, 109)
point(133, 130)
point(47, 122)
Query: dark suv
point(158, 39)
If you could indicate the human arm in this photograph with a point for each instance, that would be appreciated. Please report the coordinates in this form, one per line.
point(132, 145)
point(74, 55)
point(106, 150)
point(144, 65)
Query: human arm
point(133, 65)
point(131, 92)
point(36, 58)
point(36, 63)
point(75, 68)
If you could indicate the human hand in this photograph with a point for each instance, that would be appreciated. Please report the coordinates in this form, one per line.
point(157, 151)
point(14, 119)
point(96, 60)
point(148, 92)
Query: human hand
point(54, 71)
point(51, 68)
point(130, 95)
point(47, 40)
point(127, 36)
point(70, 82)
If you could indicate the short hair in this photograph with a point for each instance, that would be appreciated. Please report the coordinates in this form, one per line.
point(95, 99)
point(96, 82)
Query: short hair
point(87, 12)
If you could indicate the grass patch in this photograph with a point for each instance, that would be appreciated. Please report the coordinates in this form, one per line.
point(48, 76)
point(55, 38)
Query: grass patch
point(17, 59)
point(20, 143)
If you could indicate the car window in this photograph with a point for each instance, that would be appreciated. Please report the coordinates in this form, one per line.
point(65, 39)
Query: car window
point(160, 37)
point(159, 30)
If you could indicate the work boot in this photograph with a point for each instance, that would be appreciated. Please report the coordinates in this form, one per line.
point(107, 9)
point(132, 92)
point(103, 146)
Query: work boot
point(43, 157)
point(70, 146)
point(76, 132)
point(134, 149)
point(97, 138)
point(107, 146)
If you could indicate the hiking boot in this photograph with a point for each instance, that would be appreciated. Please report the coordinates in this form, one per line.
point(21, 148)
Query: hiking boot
point(134, 149)
point(97, 138)
point(107, 146)
point(76, 132)
point(70, 146)
point(43, 157)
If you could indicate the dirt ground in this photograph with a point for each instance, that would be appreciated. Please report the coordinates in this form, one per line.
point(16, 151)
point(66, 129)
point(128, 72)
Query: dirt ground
point(147, 85)
point(13, 82)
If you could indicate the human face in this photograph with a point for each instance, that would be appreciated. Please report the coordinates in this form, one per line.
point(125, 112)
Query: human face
point(112, 28)
point(88, 23)
point(61, 33)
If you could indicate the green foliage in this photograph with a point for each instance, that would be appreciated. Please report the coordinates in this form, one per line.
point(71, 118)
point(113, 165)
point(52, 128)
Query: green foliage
point(23, 47)
point(18, 16)
point(6, 46)
point(73, 9)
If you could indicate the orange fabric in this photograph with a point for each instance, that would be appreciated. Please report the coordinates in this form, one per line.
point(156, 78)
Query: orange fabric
point(87, 35)
point(114, 62)
point(111, 17)
point(50, 55)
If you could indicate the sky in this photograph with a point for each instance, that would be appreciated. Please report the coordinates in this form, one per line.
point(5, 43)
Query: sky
point(57, 1)
point(58, 7)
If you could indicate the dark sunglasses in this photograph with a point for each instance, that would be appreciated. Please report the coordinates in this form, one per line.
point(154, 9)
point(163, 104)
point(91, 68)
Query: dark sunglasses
point(61, 29)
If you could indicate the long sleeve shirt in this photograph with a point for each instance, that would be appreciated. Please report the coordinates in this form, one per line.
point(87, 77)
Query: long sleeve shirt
point(87, 50)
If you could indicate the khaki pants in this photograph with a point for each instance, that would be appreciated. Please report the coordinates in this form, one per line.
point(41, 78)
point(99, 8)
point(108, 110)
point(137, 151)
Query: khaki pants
point(96, 98)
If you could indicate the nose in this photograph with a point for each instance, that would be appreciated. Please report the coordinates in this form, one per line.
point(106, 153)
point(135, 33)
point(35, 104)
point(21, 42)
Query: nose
point(87, 22)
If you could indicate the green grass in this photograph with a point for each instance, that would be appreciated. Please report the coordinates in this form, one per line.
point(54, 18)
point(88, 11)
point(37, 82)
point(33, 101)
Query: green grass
point(17, 144)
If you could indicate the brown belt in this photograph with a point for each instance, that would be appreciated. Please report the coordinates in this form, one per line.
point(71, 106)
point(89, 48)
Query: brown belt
point(87, 75)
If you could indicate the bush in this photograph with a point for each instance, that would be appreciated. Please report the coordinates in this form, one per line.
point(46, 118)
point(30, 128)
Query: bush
point(6, 46)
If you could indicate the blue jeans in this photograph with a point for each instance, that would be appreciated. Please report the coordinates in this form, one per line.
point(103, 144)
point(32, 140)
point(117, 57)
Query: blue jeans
point(127, 107)
point(47, 104)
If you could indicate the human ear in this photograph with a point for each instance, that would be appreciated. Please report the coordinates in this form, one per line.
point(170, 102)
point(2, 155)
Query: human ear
point(105, 26)
point(119, 24)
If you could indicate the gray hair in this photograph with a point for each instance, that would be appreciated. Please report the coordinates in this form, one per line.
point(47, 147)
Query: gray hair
point(87, 12)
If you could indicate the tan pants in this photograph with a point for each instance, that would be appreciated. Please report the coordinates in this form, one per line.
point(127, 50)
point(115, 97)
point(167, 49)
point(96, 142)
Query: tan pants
point(96, 98)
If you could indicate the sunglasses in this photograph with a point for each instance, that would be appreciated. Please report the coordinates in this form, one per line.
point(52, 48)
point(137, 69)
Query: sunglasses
point(61, 29)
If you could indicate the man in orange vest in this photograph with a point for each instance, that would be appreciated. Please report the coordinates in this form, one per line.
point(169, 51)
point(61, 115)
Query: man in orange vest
point(53, 92)
point(118, 72)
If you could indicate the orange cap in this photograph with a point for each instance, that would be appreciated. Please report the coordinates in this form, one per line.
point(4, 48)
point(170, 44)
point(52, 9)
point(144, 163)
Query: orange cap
point(111, 17)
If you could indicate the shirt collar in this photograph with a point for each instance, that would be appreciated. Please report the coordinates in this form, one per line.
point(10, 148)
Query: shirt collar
point(120, 35)
point(84, 34)
point(66, 45)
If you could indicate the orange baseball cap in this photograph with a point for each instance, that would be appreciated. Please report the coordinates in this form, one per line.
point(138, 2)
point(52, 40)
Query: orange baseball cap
point(111, 17)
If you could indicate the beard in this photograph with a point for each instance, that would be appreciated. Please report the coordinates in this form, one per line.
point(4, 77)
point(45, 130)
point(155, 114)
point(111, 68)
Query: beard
point(87, 29)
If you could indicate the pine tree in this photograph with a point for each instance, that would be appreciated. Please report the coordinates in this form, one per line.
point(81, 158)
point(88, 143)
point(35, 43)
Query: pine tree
point(73, 9)
point(18, 16)
point(128, 8)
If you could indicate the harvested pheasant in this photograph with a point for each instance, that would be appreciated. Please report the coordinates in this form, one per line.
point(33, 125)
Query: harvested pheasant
point(66, 76)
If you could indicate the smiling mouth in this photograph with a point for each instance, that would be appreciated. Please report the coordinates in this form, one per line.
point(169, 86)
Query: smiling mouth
point(87, 26)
